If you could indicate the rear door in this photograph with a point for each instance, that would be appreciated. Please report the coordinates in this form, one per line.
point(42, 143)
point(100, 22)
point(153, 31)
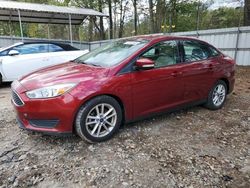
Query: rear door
point(198, 69)
point(59, 55)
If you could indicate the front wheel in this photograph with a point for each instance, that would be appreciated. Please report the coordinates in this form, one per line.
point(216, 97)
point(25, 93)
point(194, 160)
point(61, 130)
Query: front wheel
point(1, 79)
point(99, 119)
point(217, 96)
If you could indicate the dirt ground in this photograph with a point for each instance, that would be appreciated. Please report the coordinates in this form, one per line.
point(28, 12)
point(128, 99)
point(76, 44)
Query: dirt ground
point(190, 148)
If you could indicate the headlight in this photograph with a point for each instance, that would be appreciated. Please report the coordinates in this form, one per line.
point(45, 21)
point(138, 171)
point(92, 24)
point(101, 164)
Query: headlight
point(50, 91)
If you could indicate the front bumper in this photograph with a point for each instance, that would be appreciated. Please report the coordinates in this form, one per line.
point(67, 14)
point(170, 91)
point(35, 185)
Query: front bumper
point(53, 116)
point(21, 126)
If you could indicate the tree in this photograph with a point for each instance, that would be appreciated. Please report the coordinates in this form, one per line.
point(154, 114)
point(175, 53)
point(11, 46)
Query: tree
point(110, 19)
point(247, 13)
point(151, 16)
point(102, 32)
point(123, 9)
point(135, 15)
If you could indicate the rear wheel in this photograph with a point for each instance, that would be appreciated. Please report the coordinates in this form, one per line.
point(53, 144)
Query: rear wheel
point(99, 119)
point(217, 96)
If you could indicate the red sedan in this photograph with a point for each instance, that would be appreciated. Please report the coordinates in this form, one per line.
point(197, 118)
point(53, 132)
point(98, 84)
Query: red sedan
point(126, 80)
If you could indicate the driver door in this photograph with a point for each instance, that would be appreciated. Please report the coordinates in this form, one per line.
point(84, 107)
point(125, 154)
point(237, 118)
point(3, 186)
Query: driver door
point(159, 88)
point(31, 57)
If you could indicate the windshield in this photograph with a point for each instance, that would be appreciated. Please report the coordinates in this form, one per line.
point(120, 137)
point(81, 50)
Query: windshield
point(112, 53)
point(6, 48)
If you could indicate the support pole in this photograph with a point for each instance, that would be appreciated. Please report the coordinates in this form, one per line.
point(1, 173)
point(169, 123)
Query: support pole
point(237, 38)
point(108, 28)
point(170, 22)
point(48, 30)
point(10, 29)
point(237, 43)
point(20, 24)
point(70, 30)
point(79, 35)
point(198, 20)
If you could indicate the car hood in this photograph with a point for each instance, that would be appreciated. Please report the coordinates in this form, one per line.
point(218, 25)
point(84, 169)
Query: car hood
point(64, 73)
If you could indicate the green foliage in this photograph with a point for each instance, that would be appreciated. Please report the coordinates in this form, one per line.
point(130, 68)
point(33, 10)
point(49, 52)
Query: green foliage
point(180, 13)
point(222, 18)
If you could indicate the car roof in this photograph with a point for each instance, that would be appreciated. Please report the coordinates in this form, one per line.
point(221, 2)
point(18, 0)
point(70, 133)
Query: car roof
point(66, 47)
point(159, 37)
point(45, 42)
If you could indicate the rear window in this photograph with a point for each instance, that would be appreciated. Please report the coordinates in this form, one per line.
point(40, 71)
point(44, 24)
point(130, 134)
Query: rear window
point(31, 48)
point(196, 51)
point(214, 52)
point(55, 48)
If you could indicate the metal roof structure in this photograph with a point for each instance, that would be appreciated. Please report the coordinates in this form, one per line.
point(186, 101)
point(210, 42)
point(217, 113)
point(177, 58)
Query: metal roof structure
point(42, 13)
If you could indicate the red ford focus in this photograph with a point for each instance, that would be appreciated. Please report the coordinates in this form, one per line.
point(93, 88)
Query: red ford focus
point(123, 81)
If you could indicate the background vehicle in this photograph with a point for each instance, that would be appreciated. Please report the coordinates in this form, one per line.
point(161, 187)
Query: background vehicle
point(126, 80)
point(22, 58)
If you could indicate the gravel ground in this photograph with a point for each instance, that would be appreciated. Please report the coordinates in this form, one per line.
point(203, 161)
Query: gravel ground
point(190, 148)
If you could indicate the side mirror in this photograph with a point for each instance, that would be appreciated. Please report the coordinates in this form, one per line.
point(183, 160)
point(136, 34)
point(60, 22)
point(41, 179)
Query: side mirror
point(13, 52)
point(144, 64)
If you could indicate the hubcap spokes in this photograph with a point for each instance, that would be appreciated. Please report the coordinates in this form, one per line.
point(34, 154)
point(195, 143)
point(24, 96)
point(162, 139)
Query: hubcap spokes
point(101, 120)
point(219, 94)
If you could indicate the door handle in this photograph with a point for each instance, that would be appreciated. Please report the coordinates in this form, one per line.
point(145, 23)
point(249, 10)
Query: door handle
point(211, 67)
point(174, 74)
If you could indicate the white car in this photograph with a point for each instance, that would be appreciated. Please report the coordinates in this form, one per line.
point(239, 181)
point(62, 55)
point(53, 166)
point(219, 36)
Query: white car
point(22, 58)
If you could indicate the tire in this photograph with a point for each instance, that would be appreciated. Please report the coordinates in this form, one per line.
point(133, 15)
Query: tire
point(217, 96)
point(1, 80)
point(98, 119)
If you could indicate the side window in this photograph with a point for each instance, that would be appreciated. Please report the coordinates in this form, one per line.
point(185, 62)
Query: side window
point(214, 52)
point(55, 48)
point(195, 51)
point(164, 54)
point(4, 53)
point(150, 53)
point(31, 48)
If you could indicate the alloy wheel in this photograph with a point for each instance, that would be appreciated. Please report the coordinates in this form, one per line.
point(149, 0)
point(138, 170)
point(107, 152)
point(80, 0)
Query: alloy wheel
point(101, 120)
point(219, 94)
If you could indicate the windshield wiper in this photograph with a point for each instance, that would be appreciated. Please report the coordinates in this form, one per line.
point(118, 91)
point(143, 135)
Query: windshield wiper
point(79, 61)
point(96, 65)
point(82, 62)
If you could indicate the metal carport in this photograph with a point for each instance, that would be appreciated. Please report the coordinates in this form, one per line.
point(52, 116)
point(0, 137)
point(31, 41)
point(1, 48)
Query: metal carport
point(42, 13)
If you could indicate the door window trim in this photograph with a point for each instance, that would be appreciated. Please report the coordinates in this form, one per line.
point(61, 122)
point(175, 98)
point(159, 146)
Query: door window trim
point(130, 66)
point(197, 61)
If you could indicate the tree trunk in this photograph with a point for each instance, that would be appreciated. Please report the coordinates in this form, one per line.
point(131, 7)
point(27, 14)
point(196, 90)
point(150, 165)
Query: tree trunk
point(115, 19)
point(135, 16)
point(102, 33)
point(121, 21)
point(110, 19)
point(151, 15)
point(247, 13)
point(90, 29)
point(122, 17)
point(159, 18)
point(91, 23)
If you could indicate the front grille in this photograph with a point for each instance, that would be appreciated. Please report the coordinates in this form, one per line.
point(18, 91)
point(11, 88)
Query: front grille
point(16, 99)
point(45, 123)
